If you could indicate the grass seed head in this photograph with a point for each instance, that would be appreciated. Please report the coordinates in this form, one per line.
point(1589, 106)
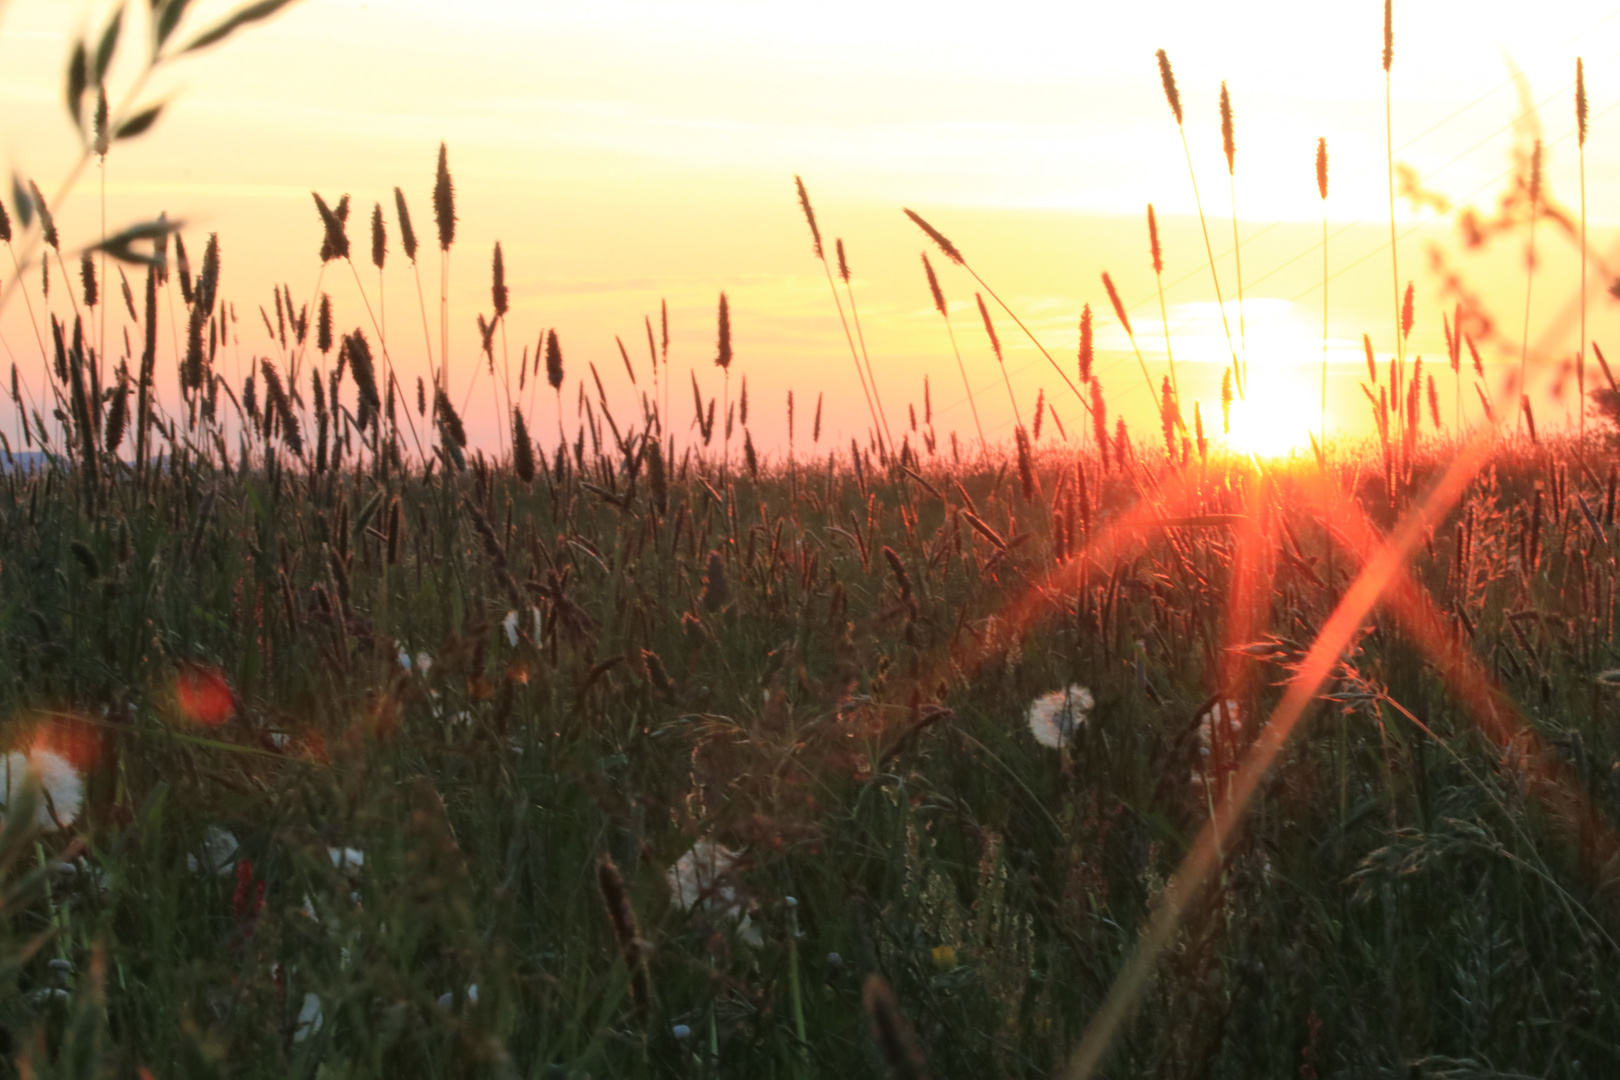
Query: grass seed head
point(379, 237)
point(1099, 419)
point(937, 237)
point(1389, 34)
point(716, 592)
point(1153, 241)
point(522, 447)
point(444, 201)
point(323, 325)
point(407, 235)
point(1119, 307)
point(1227, 143)
point(809, 216)
point(334, 238)
point(1168, 78)
point(1321, 168)
point(87, 272)
point(933, 286)
point(554, 361)
point(1580, 103)
point(1087, 351)
point(722, 357)
point(497, 288)
point(989, 327)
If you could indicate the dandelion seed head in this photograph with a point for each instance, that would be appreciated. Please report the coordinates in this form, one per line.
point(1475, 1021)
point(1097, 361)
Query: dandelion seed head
point(60, 787)
point(1054, 718)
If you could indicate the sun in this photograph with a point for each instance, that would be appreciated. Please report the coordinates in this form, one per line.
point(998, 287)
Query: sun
point(1277, 418)
point(1280, 414)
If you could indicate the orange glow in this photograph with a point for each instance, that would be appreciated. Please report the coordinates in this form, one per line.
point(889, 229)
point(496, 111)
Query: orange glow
point(70, 737)
point(204, 695)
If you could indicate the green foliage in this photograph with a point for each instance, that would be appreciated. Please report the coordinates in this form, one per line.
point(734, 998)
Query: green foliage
point(848, 718)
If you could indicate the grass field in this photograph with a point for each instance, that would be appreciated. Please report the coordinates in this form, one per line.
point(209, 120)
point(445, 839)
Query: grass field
point(826, 676)
point(337, 746)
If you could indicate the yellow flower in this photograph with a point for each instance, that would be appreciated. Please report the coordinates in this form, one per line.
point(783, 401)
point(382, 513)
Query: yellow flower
point(944, 957)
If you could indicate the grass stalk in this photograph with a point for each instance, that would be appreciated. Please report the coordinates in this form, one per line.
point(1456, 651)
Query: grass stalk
point(1173, 96)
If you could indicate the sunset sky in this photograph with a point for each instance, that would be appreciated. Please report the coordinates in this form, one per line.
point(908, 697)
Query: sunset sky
point(628, 152)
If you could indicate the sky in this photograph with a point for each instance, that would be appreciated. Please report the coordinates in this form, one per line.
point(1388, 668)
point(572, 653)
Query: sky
point(628, 154)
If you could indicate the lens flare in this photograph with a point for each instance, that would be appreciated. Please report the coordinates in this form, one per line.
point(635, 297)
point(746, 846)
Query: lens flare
point(204, 695)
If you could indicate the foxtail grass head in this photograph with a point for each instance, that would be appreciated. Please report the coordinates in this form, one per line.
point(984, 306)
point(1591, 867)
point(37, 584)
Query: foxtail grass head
point(1168, 78)
point(809, 216)
point(1119, 306)
point(497, 288)
point(989, 328)
point(1389, 34)
point(1153, 241)
point(379, 237)
point(948, 248)
point(444, 201)
point(1580, 101)
point(323, 325)
point(722, 356)
point(933, 286)
point(843, 263)
point(334, 240)
point(554, 361)
point(1321, 167)
point(1227, 143)
point(47, 223)
point(407, 235)
point(1087, 352)
point(522, 447)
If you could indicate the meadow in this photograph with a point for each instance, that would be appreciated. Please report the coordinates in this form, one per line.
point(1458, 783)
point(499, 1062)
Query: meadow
point(339, 746)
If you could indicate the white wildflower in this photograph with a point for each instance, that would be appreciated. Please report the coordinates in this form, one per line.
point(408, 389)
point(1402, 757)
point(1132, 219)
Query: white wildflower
point(61, 789)
point(703, 876)
point(1054, 718)
point(349, 860)
point(510, 625)
point(309, 1018)
point(424, 663)
point(404, 658)
point(216, 854)
point(1220, 729)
